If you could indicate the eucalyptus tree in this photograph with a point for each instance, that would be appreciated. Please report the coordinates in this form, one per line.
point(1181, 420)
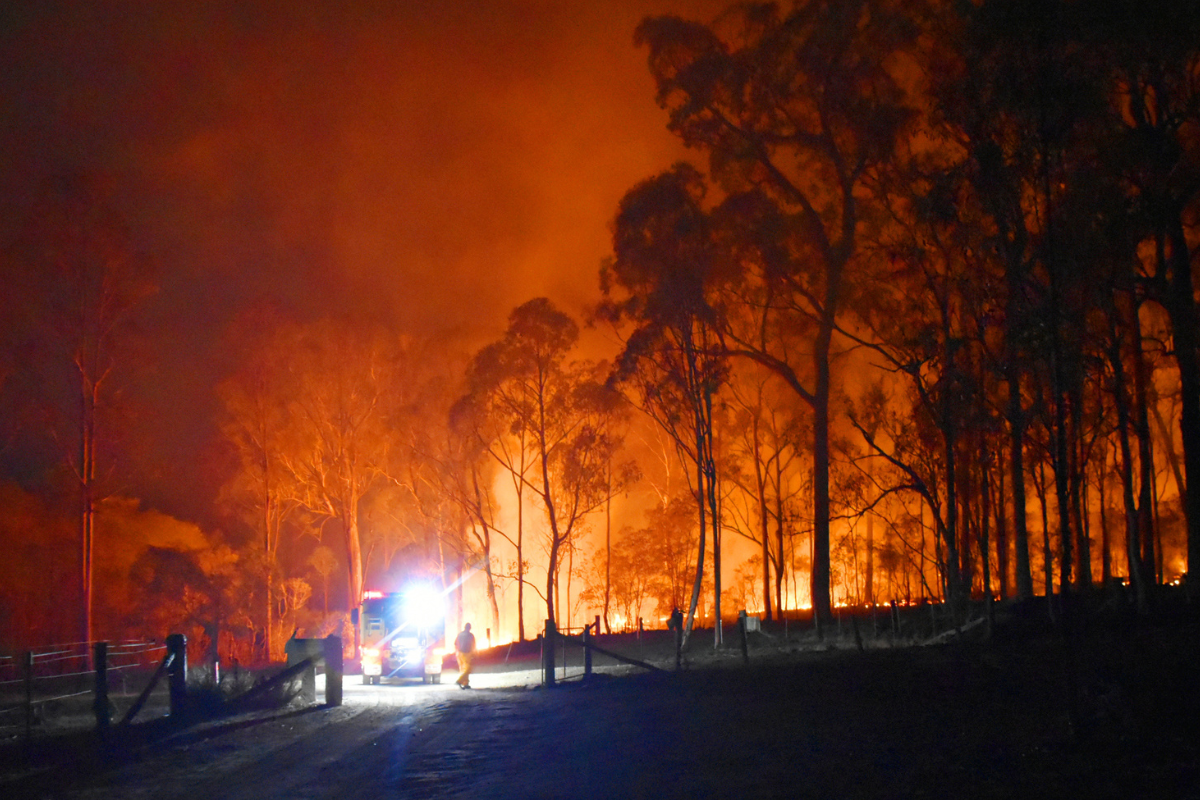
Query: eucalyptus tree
point(907, 457)
point(1151, 58)
point(613, 416)
point(629, 576)
point(926, 344)
point(331, 439)
point(669, 551)
point(440, 475)
point(466, 472)
point(795, 110)
point(323, 561)
point(1024, 94)
point(1079, 122)
point(533, 389)
point(765, 447)
point(485, 415)
point(342, 437)
point(1105, 237)
point(659, 282)
point(79, 280)
point(481, 428)
point(990, 185)
point(252, 422)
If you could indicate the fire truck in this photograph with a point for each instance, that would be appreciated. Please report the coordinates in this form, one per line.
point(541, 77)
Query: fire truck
point(403, 634)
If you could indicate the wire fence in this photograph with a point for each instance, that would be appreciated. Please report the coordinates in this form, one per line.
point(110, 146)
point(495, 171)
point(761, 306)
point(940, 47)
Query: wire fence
point(45, 688)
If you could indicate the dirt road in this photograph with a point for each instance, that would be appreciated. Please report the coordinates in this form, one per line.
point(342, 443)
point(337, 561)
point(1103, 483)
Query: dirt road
point(934, 722)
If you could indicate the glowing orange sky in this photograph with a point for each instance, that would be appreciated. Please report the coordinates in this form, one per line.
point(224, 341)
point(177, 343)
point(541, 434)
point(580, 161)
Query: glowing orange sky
point(428, 164)
point(439, 162)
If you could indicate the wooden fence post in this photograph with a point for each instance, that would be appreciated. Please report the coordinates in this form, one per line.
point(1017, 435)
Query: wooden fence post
point(100, 701)
point(28, 665)
point(177, 672)
point(742, 636)
point(587, 651)
point(548, 644)
point(676, 625)
point(300, 651)
point(214, 654)
point(333, 670)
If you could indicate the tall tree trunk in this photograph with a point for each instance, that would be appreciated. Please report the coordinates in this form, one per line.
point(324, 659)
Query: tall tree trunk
point(952, 581)
point(570, 571)
point(1047, 550)
point(270, 539)
point(1077, 484)
point(700, 392)
point(608, 546)
point(556, 538)
point(458, 550)
point(714, 515)
point(869, 582)
point(268, 570)
point(700, 504)
point(491, 589)
point(985, 512)
point(1105, 535)
point(1133, 548)
point(1002, 555)
point(779, 543)
point(520, 552)
point(966, 491)
point(354, 564)
point(1016, 427)
point(1125, 318)
point(1062, 492)
point(922, 503)
point(552, 588)
point(1141, 422)
point(1184, 330)
point(87, 511)
point(760, 485)
point(1166, 436)
point(1157, 528)
point(821, 598)
point(485, 544)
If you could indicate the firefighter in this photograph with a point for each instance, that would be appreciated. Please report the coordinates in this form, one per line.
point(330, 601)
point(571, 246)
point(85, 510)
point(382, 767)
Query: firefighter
point(464, 650)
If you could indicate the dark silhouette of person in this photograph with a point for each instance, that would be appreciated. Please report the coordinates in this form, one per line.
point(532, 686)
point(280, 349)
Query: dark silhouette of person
point(464, 651)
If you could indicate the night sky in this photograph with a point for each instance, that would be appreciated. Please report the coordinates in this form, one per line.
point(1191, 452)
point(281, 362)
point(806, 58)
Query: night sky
point(428, 165)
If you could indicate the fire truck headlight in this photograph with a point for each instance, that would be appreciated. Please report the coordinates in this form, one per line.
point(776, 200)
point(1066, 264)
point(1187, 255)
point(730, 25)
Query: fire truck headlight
point(424, 605)
point(372, 664)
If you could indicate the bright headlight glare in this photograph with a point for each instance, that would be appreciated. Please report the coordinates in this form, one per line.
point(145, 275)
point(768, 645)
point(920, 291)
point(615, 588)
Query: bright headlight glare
point(423, 605)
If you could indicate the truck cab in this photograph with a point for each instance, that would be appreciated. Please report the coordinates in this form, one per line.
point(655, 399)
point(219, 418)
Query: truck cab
point(403, 635)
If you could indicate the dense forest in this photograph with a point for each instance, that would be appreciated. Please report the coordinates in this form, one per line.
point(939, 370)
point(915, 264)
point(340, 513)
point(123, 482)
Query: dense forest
point(916, 323)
